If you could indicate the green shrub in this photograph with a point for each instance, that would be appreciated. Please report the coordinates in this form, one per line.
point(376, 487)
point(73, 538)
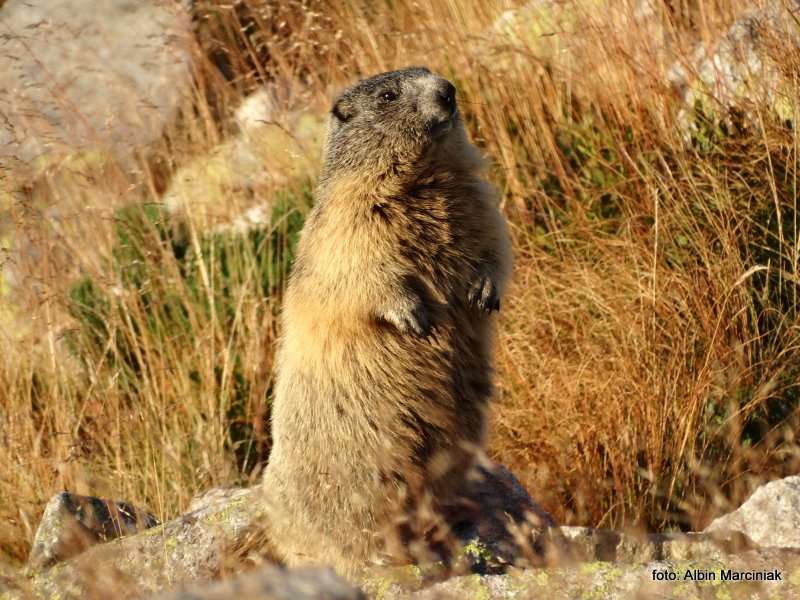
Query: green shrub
point(167, 289)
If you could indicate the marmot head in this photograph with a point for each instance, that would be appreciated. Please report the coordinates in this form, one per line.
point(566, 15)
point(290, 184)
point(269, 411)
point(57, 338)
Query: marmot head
point(389, 120)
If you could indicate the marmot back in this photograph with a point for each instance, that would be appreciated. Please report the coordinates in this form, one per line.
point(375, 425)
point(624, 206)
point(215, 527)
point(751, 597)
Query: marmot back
point(384, 364)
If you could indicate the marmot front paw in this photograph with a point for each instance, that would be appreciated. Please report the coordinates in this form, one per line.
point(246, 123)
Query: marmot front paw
point(483, 294)
point(411, 318)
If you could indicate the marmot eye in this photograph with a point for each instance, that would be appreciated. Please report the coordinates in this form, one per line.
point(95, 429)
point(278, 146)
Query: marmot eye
point(389, 96)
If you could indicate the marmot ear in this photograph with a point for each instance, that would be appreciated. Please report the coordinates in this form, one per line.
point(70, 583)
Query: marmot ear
point(343, 110)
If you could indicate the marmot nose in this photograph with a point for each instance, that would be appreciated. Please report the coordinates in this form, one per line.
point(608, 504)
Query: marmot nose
point(447, 97)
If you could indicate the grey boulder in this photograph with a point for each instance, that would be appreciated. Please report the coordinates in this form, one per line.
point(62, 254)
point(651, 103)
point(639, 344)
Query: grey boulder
point(770, 517)
point(106, 79)
point(273, 583)
point(72, 523)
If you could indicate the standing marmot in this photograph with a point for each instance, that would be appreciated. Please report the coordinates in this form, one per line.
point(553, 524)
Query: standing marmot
point(384, 369)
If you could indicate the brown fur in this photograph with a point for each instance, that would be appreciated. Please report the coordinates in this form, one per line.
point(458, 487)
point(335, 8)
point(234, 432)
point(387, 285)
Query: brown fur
point(384, 365)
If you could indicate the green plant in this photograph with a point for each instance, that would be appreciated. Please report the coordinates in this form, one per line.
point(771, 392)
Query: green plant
point(166, 290)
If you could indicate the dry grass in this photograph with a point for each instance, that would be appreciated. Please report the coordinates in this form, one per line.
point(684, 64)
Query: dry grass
point(648, 349)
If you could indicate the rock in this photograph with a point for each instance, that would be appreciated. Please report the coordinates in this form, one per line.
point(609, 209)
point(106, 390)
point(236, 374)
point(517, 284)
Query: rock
point(690, 546)
point(770, 517)
point(215, 498)
point(84, 91)
point(109, 79)
point(72, 523)
point(497, 518)
point(498, 492)
point(273, 583)
point(231, 187)
point(192, 548)
point(740, 69)
point(198, 546)
point(553, 33)
point(699, 579)
point(225, 524)
point(585, 544)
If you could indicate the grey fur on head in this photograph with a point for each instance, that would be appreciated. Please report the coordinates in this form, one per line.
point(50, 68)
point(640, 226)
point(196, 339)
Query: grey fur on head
point(393, 116)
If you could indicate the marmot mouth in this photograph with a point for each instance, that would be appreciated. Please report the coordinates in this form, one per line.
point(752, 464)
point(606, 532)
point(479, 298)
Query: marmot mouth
point(442, 127)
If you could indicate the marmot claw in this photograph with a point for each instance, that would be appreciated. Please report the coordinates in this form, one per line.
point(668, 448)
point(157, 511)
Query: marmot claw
point(484, 295)
point(410, 320)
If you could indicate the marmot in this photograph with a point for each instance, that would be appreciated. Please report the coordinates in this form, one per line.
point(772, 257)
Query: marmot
point(383, 369)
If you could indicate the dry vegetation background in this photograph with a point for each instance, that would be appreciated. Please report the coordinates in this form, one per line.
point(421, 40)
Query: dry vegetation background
point(648, 350)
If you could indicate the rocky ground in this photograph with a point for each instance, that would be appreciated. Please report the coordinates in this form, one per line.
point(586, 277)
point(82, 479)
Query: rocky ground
point(86, 546)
